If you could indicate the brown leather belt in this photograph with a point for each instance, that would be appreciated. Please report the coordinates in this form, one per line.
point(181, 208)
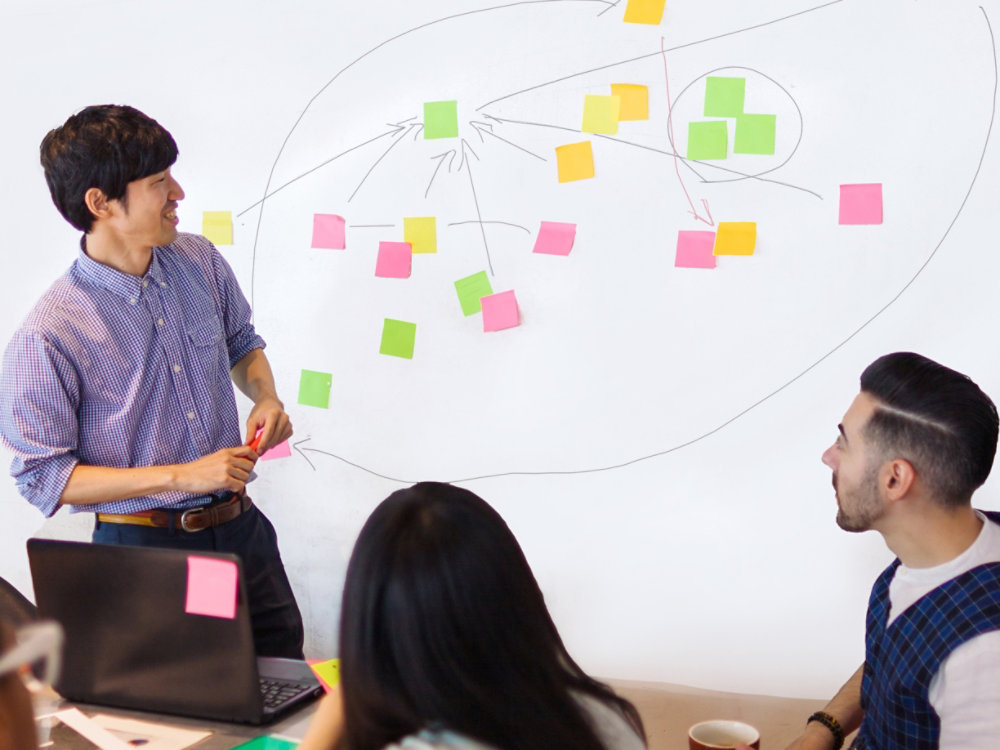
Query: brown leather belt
point(192, 519)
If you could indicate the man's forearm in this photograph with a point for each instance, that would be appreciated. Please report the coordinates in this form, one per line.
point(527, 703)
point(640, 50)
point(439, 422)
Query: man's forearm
point(89, 485)
point(252, 375)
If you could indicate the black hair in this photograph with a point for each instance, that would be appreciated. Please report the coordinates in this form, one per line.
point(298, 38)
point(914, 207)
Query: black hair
point(105, 147)
point(934, 417)
point(443, 625)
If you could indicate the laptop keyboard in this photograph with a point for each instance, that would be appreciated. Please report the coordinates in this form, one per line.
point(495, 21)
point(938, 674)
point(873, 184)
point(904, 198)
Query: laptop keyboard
point(276, 692)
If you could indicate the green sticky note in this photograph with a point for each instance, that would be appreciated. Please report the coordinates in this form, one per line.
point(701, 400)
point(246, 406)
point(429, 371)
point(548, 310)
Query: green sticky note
point(267, 743)
point(314, 388)
point(707, 139)
point(397, 338)
point(441, 119)
point(470, 290)
point(724, 96)
point(754, 134)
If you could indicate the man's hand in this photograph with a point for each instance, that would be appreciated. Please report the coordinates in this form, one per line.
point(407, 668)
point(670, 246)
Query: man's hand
point(226, 469)
point(269, 417)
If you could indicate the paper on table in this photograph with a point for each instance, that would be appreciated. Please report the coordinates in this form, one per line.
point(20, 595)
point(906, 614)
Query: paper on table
point(149, 735)
point(267, 743)
point(327, 672)
point(211, 587)
point(328, 232)
point(84, 725)
point(217, 226)
point(555, 238)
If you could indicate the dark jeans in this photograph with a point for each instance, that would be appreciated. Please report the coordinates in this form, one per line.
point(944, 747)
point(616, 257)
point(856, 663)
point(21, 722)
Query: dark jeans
point(274, 614)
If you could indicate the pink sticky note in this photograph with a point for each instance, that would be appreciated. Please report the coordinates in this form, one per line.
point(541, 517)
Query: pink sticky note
point(500, 311)
point(395, 260)
point(211, 587)
point(861, 204)
point(555, 238)
point(695, 249)
point(328, 232)
point(281, 450)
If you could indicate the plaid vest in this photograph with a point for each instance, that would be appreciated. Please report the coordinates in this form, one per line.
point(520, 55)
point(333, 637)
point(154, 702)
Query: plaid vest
point(901, 661)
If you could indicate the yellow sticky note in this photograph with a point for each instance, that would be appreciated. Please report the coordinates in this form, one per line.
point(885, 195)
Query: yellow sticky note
point(634, 100)
point(575, 161)
point(600, 114)
point(735, 238)
point(217, 226)
point(421, 233)
point(327, 672)
point(644, 11)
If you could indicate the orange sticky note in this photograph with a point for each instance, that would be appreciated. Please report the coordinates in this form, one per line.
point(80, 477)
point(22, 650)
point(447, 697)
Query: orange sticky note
point(575, 161)
point(634, 101)
point(644, 11)
point(327, 672)
point(211, 587)
point(735, 238)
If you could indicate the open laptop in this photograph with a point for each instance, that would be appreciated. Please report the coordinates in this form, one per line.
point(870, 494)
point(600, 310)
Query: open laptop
point(130, 642)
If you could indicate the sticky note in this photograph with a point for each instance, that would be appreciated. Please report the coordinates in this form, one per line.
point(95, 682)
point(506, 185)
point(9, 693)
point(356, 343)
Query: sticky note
point(634, 101)
point(440, 120)
point(644, 11)
point(735, 237)
point(211, 587)
point(754, 134)
point(281, 450)
point(600, 114)
point(555, 238)
point(470, 290)
point(724, 96)
point(327, 672)
point(328, 232)
point(314, 388)
point(217, 226)
point(575, 161)
point(500, 311)
point(861, 204)
point(421, 233)
point(395, 260)
point(267, 743)
point(398, 337)
point(707, 140)
point(695, 249)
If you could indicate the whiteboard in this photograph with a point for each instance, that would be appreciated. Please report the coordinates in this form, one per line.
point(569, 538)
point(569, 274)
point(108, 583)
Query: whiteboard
point(651, 433)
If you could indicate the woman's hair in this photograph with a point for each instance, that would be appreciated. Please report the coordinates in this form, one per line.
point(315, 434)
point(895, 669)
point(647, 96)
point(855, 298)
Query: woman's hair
point(444, 626)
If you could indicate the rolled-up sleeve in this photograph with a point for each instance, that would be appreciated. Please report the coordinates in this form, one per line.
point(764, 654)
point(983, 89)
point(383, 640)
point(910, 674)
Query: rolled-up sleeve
point(241, 336)
point(39, 398)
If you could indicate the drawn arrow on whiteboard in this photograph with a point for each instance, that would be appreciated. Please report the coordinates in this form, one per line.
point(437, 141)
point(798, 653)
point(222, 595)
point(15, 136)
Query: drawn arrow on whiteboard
point(409, 128)
point(450, 152)
point(475, 199)
point(481, 129)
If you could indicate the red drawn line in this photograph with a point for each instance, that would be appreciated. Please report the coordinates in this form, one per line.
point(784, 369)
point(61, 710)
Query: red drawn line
point(673, 141)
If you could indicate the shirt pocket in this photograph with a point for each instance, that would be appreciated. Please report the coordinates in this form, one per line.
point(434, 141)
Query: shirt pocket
point(207, 347)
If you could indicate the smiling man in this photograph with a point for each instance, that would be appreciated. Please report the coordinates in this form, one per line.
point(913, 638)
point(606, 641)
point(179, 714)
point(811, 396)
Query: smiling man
point(914, 445)
point(116, 395)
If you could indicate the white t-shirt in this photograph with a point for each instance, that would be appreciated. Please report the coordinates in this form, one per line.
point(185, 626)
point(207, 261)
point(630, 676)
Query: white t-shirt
point(613, 730)
point(965, 692)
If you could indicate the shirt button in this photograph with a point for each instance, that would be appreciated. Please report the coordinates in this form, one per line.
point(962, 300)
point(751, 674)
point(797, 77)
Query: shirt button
point(145, 283)
point(190, 415)
point(163, 284)
point(159, 322)
point(133, 300)
point(177, 368)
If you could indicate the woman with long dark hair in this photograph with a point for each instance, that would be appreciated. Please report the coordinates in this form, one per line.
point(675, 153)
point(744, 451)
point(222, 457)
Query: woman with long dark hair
point(445, 642)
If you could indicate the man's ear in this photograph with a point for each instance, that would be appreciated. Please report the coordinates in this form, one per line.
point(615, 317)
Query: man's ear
point(97, 203)
point(898, 476)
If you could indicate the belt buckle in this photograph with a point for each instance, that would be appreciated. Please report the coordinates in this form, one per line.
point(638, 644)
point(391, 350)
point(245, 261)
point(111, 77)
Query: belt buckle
point(184, 518)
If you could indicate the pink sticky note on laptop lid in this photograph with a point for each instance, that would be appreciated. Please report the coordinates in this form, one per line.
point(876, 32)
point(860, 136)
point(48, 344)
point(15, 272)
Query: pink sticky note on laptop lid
point(211, 587)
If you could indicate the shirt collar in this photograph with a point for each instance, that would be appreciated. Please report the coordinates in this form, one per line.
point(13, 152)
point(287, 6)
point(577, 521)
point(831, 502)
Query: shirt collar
point(123, 284)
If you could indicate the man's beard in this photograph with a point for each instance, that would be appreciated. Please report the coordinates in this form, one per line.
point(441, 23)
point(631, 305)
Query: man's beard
point(866, 508)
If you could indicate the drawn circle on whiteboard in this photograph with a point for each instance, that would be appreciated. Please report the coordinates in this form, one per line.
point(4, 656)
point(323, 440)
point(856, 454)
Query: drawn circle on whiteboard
point(764, 96)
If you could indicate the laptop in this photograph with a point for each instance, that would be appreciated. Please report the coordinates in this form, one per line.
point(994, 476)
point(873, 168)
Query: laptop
point(131, 643)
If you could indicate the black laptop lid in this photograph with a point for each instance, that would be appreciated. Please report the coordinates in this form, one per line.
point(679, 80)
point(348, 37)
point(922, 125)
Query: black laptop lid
point(129, 640)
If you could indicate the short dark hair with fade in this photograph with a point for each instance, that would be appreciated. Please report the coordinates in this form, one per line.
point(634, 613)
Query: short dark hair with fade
point(934, 417)
point(105, 147)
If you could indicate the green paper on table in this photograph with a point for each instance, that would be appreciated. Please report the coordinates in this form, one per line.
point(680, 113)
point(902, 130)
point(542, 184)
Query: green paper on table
point(266, 743)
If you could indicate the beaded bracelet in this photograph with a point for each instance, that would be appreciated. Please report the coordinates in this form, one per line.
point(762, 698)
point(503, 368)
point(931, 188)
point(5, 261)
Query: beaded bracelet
point(832, 724)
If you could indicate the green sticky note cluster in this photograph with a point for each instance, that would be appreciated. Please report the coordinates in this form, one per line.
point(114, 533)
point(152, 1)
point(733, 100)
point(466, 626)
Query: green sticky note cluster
point(471, 290)
point(725, 97)
point(440, 119)
point(754, 134)
point(314, 388)
point(398, 337)
point(708, 140)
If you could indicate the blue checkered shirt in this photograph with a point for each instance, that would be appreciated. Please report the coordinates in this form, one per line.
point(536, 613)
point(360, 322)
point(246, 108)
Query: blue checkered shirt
point(116, 370)
point(902, 659)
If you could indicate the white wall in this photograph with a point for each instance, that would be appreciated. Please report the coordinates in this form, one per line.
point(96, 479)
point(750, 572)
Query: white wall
point(710, 556)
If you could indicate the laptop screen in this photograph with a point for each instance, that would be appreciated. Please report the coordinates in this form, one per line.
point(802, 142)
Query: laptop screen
point(147, 629)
